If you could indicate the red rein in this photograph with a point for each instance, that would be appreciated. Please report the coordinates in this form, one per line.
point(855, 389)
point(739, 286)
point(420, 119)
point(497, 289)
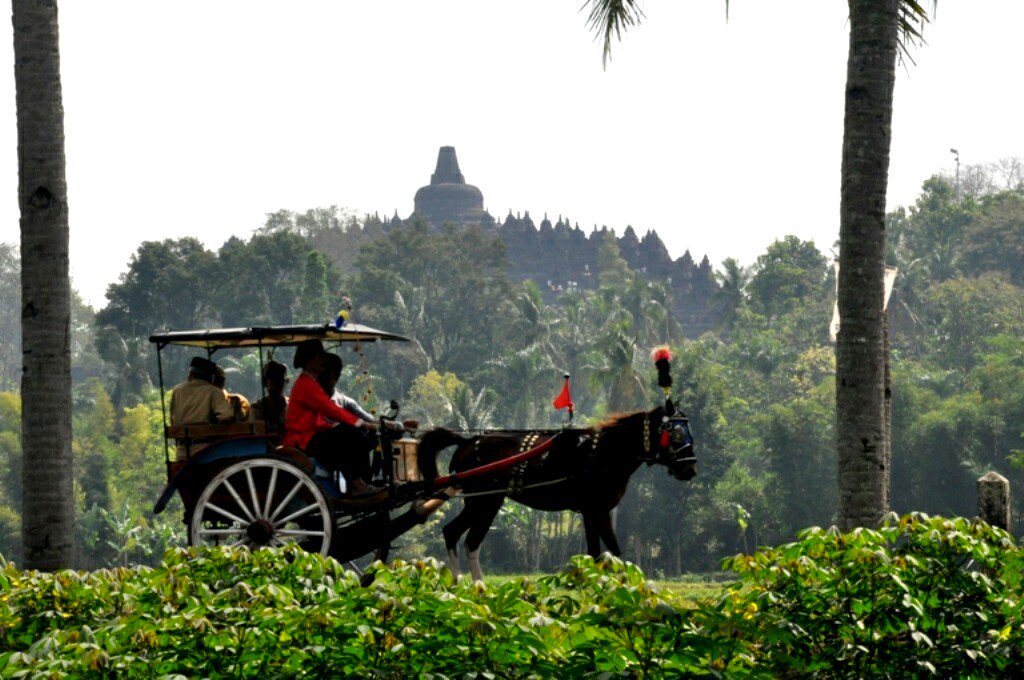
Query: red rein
point(496, 466)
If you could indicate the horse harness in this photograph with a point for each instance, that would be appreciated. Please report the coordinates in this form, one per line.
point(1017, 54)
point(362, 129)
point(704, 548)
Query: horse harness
point(517, 484)
point(667, 453)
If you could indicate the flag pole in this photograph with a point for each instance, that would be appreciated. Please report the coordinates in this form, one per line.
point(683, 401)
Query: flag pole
point(571, 405)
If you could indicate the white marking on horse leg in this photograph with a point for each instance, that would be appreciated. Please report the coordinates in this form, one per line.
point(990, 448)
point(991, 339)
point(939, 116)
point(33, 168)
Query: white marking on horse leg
point(453, 563)
point(474, 565)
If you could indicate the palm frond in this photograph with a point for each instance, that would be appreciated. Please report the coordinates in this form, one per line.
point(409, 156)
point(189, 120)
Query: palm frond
point(609, 18)
point(912, 20)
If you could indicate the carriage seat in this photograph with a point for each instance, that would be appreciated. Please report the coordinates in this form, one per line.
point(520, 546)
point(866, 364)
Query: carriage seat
point(191, 439)
point(216, 431)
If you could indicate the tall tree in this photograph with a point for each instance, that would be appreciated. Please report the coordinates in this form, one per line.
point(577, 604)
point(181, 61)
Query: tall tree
point(789, 271)
point(876, 27)
point(315, 300)
point(48, 500)
point(727, 300)
point(860, 354)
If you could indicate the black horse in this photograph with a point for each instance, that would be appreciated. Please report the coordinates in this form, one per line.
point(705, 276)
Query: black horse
point(584, 470)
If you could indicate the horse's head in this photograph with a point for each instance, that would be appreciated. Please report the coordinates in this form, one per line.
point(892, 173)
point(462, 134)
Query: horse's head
point(670, 442)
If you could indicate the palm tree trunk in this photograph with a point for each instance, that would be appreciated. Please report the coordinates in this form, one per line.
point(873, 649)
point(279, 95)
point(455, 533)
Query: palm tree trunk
point(871, 75)
point(48, 501)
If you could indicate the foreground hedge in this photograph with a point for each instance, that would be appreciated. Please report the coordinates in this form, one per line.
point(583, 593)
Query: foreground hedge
point(920, 596)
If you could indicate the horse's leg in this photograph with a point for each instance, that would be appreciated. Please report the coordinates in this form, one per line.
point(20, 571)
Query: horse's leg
point(487, 508)
point(592, 528)
point(453, 532)
point(608, 534)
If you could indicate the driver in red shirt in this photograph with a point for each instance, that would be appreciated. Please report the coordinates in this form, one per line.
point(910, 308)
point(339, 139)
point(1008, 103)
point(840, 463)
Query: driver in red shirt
point(343, 444)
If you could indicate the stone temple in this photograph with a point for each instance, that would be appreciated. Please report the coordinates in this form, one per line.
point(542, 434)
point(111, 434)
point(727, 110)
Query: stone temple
point(448, 199)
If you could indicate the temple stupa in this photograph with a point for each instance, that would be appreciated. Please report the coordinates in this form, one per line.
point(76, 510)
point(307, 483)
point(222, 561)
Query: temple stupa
point(448, 198)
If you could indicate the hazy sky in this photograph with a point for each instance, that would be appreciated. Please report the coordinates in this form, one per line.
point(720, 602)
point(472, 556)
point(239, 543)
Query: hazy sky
point(198, 118)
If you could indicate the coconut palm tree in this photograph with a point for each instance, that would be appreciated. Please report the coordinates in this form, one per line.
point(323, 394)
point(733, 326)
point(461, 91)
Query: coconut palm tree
point(727, 300)
point(471, 411)
point(617, 373)
point(527, 377)
point(879, 29)
point(48, 499)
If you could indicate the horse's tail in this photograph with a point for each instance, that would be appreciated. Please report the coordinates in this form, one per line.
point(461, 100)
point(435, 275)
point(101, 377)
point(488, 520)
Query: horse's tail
point(431, 444)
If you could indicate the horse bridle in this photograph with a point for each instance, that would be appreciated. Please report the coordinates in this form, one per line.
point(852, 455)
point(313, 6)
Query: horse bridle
point(667, 451)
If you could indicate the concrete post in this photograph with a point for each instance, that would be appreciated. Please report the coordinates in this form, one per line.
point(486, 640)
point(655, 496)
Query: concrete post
point(994, 499)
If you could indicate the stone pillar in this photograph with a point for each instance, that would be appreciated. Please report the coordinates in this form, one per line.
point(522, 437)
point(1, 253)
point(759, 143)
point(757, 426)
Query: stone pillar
point(994, 499)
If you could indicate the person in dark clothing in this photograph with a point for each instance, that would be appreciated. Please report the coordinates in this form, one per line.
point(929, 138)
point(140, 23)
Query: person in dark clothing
point(270, 409)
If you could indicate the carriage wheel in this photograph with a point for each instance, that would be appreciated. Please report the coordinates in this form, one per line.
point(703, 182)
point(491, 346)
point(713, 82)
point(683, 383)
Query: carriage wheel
point(262, 502)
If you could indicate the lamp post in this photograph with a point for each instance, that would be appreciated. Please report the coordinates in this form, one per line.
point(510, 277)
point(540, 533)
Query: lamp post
point(956, 185)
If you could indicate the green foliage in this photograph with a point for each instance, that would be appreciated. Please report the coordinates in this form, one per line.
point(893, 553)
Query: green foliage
point(920, 596)
point(180, 284)
point(802, 429)
point(441, 287)
point(315, 297)
point(790, 271)
point(964, 312)
point(290, 613)
point(10, 317)
point(442, 400)
point(10, 474)
point(994, 240)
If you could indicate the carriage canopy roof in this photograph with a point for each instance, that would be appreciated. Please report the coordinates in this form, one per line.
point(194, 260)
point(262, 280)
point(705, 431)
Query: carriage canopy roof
point(271, 336)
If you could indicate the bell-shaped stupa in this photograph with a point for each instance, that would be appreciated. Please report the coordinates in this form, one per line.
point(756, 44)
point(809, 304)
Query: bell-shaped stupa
point(448, 198)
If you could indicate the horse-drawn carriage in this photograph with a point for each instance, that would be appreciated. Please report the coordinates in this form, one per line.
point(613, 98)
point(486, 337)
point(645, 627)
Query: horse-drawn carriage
point(241, 487)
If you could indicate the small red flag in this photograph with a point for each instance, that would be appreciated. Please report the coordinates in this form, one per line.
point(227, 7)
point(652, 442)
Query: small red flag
point(564, 398)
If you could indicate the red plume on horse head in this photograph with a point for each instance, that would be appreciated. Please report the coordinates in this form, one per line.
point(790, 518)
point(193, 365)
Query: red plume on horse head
point(662, 357)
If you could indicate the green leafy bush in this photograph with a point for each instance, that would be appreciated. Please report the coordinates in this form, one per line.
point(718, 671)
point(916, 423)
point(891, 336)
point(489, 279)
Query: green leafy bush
point(921, 596)
point(292, 614)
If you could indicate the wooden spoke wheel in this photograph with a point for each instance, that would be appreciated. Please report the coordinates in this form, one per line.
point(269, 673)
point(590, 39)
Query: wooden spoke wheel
point(262, 502)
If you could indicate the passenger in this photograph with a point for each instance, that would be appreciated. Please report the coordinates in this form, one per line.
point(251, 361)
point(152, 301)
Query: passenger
point(329, 381)
point(197, 401)
point(239, 404)
point(270, 409)
point(336, 437)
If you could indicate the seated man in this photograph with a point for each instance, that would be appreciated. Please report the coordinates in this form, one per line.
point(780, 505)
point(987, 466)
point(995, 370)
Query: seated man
point(314, 423)
point(239, 404)
point(329, 381)
point(270, 409)
point(197, 401)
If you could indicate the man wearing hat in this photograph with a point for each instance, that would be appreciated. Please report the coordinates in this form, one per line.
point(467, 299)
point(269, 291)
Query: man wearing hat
point(197, 401)
point(322, 429)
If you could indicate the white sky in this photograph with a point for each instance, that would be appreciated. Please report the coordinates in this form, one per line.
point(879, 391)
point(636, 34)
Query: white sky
point(198, 118)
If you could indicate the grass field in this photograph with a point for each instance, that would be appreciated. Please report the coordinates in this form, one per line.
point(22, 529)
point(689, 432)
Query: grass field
point(681, 592)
